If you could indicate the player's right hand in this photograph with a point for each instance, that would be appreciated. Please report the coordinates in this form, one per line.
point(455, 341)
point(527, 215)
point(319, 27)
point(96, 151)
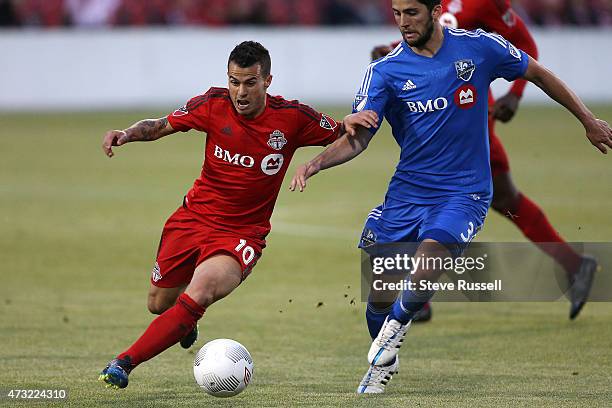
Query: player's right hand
point(600, 135)
point(113, 138)
point(367, 119)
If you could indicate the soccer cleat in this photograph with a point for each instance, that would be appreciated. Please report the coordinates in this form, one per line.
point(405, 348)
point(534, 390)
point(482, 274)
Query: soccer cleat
point(377, 377)
point(386, 345)
point(580, 284)
point(423, 315)
point(190, 339)
point(116, 373)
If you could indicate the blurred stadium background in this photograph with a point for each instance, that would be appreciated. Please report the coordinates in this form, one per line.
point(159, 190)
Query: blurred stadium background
point(79, 231)
point(107, 13)
point(101, 54)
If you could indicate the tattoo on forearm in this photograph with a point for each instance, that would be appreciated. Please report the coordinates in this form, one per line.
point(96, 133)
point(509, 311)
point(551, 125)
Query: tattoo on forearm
point(147, 130)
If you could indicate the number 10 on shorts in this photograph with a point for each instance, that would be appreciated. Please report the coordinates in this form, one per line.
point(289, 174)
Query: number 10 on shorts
point(248, 253)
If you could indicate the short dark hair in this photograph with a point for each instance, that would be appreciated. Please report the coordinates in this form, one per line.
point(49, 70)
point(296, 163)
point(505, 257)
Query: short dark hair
point(249, 53)
point(430, 3)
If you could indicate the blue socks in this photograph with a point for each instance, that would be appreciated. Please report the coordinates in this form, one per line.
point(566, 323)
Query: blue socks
point(408, 304)
point(403, 310)
point(376, 318)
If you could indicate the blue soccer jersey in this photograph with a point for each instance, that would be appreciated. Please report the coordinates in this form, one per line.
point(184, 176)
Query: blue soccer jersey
point(438, 109)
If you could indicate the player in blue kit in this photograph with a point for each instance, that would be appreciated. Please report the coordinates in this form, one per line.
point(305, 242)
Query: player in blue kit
point(432, 89)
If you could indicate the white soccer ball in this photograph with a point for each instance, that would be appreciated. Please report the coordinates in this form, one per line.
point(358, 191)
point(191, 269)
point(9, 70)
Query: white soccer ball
point(223, 368)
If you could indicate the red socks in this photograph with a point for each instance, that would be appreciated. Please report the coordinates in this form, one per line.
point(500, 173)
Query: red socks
point(530, 219)
point(166, 330)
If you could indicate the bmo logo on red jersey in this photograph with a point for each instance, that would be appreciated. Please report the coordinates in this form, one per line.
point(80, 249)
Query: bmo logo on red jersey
point(236, 159)
point(466, 96)
point(431, 105)
point(272, 164)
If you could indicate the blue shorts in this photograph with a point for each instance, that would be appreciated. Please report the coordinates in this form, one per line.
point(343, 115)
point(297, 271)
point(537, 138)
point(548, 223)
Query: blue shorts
point(453, 223)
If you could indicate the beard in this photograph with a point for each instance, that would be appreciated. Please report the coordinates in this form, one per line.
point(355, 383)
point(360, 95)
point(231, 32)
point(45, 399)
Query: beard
point(424, 39)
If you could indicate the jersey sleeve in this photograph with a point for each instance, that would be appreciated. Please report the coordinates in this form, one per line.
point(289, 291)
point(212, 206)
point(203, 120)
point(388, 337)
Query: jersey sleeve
point(497, 16)
point(522, 38)
point(505, 60)
point(503, 20)
point(195, 114)
point(316, 129)
point(373, 94)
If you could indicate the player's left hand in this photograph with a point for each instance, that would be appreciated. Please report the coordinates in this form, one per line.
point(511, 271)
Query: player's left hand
point(303, 173)
point(506, 107)
point(367, 119)
point(600, 135)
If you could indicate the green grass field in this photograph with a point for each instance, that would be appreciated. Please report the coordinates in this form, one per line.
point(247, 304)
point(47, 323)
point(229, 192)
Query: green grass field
point(78, 239)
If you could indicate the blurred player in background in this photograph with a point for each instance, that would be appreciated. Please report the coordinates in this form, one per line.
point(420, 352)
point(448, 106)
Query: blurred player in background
point(497, 16)
point(432, 89)
point(213, 241)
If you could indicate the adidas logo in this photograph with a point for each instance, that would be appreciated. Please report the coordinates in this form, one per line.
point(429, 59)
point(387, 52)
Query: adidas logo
point(409, 86)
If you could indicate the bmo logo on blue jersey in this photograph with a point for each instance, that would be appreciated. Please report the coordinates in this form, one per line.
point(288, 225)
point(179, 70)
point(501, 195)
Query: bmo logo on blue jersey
point(431, 105)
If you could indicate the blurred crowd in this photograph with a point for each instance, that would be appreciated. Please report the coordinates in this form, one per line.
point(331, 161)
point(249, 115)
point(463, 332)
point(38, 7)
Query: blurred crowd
point(102, 13)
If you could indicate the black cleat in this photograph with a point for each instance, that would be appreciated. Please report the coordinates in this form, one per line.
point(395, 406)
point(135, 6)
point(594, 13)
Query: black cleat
point(581, 283)
point(190, 339)
point(423, 315)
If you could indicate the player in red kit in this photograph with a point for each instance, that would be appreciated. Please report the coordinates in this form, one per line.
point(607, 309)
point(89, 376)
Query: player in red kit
point(498, 16)
point(213, 241)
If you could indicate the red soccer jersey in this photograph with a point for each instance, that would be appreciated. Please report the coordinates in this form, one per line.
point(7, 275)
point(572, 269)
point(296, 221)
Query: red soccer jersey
point(490, 15)
point(496, 16)
point(245, 160)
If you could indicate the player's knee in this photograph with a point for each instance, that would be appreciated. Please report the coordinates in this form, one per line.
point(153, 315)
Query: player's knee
point(505, 194)
point(214, 280)
point(206, 298)
point(155, 308)
point(158, 304)
point(504, 200)
point(205, 295)
point(424, 275)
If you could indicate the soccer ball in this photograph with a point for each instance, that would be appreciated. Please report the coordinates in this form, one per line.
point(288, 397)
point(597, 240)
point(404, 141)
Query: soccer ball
point(223, 368)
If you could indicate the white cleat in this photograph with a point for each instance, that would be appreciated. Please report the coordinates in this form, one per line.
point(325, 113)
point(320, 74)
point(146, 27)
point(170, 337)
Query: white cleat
point(377, 378)
point(581, 283)
point(386, 345)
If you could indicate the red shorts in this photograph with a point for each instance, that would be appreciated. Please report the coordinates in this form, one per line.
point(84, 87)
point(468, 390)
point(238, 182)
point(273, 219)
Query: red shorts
point(499, 159)
point(186, 242)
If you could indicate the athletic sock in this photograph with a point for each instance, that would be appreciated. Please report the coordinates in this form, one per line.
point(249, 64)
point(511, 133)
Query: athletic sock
point(408, 304)
point(532, 221)
point(376, 318)
point(165, 331)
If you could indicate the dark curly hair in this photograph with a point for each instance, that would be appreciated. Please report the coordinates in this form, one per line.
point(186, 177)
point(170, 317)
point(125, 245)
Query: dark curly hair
point(430, 3)
point(249, 53)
